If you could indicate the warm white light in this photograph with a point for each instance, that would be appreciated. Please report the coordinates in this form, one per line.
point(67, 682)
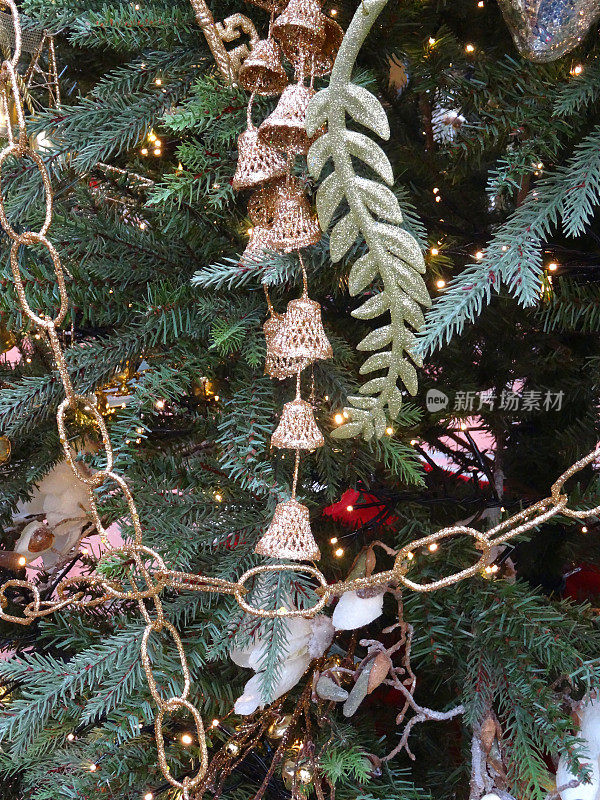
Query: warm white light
point(339, 552)
point(338, 419)
point(93, 767)
point(218, 497)
point(434, 251)
point(431, 41)
point(504, 248)
point(349, 508)
point(584, 529)
point(157, 151)
point(22, 561)
point(186, 739)
point(480, 4)
point(215, 723)
point(433, 547)
point(144, 151)
point(389, 431)
point(438, 199)
point(470, 48)
point(148, 796)
point(479, 255)
point(440, 283)
point(553, 266)
point(436, 190)
point(71, 737)
point(160, 404)
point(410, 556)
point(333, 12)
point(463, 426)
point(158, 82)
point(333, 540)
point(414, 442)
point(577, 69)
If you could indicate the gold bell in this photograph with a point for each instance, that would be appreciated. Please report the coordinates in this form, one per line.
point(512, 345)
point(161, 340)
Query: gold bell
point(279, 366)
point(301, 333)
point(272, 6)
point(284, 127)
point(262, 203)
point(289, 534)
point(260, 242)
point(297, 429)
point(257, 161)
point(294, 225)
point(302, 24)
point(262, 71)
point(318, 62)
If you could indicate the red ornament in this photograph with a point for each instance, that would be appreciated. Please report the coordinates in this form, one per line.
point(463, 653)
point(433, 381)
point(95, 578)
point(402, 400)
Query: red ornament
point(356, 509)
point(584, 584)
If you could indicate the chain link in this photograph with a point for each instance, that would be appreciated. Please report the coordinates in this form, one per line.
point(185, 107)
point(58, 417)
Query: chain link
point(82, 591)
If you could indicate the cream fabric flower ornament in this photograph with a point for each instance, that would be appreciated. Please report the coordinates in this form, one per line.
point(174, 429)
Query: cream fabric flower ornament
point(353, 611)
point(55, 517)
point(306, 640)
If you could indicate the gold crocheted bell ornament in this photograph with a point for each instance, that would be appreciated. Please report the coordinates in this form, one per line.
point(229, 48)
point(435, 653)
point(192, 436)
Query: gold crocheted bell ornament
point(272, 6)
point(297, 429)
point(301, 333)
point(257, 161)
point(303, 24)
point(262, 203)
point(289, 535)
point(284, 127)
point(258, 244)
point(277, 365)
point(262, 71)
point(294, 224)
point(320, 61)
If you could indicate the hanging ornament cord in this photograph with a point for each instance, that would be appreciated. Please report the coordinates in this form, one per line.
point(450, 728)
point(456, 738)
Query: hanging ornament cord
point(146, 566)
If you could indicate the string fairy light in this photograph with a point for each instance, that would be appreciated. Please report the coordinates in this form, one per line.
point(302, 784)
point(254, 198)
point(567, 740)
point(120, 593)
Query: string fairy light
point(94, 590)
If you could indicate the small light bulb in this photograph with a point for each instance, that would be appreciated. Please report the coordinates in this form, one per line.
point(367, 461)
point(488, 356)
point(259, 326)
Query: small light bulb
point(250, 231)
point(584, 529)
point(440, 283)
point(488, 570)
point(553, 266)
point(433, 547)
point(158, 82)
point(151, 136)
point(436, 190)
point(137, 6)
point(93, 767)
point(216, 398)
point(22, 561)
point(431, 41)
point(349, 508)
point(504, 248)
point(144, 151)
point(157, 151)
point(215, 723)
point(389, 431)
point(160, 404)
point(470, 48)
point(338, 419)
point(333, 12)
point(186, 739)
point(434, 251)
point(143, 226)
point(339, 552)
point(438, 198)
point(479, 255)
point(157, 142)
point(410, 556)
point(218, 497)
point(71, 737)
point(326, 397)
point(495, 567)
point(334, 540)
point(480, 4)
point(577, 70)
point(148, 796)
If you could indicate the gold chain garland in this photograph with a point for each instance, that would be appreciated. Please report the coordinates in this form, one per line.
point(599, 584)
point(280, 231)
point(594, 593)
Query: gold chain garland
point(155, 575)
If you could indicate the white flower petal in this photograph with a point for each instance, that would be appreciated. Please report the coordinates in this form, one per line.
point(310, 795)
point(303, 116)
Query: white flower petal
point(353, 611)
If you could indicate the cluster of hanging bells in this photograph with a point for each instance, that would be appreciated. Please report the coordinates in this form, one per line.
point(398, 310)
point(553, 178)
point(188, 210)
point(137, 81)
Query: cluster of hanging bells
point(284, 221)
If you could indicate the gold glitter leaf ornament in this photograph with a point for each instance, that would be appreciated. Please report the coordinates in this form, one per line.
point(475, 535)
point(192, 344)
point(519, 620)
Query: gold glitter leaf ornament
point(393, 256)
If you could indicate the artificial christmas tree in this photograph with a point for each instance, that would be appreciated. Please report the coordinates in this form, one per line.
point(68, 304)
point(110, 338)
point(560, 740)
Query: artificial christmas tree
point(141, 155)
